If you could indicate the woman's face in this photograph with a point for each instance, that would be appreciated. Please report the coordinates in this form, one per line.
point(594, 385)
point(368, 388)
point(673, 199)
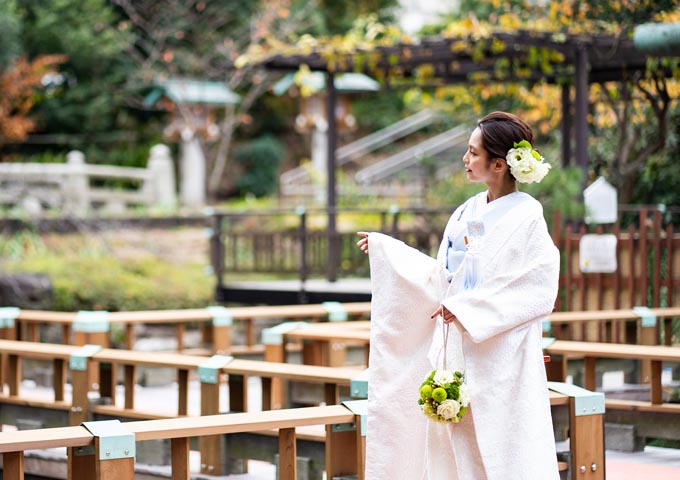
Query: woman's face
point(476, 159)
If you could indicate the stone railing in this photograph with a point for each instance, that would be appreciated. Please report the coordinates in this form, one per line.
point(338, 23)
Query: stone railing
point(69, 187)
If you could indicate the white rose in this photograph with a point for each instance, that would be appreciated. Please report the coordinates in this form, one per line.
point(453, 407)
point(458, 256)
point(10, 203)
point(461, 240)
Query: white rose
point(448, 409)
point(442, 377)
point(464, 395)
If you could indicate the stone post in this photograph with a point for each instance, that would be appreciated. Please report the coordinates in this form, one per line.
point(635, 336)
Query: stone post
point(76, 186)
point(192, 171)
point(162, 173)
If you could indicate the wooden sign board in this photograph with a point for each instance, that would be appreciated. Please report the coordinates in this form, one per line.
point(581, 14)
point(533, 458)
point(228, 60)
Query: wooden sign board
point(597, 253)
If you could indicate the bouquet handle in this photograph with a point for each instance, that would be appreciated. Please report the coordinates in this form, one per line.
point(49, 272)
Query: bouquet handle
point(445, 333)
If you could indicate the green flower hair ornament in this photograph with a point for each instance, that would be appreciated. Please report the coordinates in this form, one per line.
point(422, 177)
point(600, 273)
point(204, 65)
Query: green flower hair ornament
point(526, 164)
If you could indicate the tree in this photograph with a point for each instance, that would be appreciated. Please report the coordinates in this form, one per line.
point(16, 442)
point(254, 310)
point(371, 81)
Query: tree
point(87, 96)
point(18, 94)
point(203, 39)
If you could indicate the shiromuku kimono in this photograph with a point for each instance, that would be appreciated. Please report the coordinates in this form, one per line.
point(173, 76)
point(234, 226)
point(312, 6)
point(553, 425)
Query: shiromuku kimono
point(500, 287)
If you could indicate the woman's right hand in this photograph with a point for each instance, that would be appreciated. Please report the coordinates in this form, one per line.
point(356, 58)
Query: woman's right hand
point(363, 243)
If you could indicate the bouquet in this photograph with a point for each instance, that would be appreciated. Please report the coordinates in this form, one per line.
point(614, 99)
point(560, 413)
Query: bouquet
point(443, 396)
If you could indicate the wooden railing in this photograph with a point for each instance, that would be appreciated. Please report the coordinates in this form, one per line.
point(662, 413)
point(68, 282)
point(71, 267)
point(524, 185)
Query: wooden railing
point(113, 458)
point(211, 371)
point(648, 253)
point(216, 324)
point(590, 352)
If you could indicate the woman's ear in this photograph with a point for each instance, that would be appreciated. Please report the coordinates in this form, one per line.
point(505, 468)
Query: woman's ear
point(500, 164)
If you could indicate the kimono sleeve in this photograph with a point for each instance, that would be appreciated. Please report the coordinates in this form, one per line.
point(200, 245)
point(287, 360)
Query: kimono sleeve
point(516, 289)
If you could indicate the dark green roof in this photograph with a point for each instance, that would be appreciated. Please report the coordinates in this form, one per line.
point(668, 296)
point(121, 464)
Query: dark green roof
point(354, 82)
point(187, 92)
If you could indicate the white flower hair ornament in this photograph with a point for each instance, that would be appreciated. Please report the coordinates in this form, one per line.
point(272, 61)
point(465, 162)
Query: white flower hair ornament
point(526, 164)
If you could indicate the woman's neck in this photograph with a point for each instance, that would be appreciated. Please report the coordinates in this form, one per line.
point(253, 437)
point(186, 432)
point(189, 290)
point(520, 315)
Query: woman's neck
point(497, 191)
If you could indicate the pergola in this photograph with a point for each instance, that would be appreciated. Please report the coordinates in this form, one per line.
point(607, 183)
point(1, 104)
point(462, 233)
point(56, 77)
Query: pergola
point(572, 61)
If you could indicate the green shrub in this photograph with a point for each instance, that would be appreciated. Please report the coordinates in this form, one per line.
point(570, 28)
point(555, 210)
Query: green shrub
point(91, 279)
point(260, 160)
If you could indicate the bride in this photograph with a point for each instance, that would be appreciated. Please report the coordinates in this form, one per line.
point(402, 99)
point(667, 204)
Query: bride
point(494, 280)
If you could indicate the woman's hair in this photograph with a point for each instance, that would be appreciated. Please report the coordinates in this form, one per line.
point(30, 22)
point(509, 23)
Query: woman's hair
point(500, 131)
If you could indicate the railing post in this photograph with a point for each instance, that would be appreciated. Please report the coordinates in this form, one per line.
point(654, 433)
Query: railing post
point(647, 336)
point(222, 322)
point(13, 466)
point(114, 451)
point(586, 427)
point(80, 367)
point(273, 390)
point(211, 445)
point(346, 443)
point(287, 454)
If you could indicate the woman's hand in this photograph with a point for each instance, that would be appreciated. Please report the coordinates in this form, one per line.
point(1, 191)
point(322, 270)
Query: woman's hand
point(363, 243)
point(445, 313)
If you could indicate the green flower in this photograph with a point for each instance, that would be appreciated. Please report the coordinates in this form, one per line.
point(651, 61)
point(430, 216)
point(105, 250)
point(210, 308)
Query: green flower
point(439, 394)
point(425, 392)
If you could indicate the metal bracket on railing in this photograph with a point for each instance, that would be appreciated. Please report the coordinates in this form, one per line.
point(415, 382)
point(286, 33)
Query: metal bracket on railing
point(274, 335)
point(220, 316)
point(87, 321)
point(546, 325)
point(336, 311)
point(360, 408)
point(358, 386)
point(585, 401)
point(209, 372)
point(647, 317)
point(8, 315)
point(115, 441)
point(78, 359)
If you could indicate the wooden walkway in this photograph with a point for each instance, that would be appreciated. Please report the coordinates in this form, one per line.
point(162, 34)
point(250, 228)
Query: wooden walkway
point(289, 292)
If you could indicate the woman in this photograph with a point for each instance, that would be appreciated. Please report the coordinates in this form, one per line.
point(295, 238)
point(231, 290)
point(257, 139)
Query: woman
point(495, 278)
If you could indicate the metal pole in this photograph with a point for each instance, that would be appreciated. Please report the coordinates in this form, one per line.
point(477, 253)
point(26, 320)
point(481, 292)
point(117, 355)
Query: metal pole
point(333, 253)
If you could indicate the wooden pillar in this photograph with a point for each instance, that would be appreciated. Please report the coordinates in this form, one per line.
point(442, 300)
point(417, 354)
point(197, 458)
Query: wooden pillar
point(581, 108)
point(565, 125)
point(333, 247)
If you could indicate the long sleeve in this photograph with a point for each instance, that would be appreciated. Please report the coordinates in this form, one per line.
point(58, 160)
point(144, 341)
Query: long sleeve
point(519, 286)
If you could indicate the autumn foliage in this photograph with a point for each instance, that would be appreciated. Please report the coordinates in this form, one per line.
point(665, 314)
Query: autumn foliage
point(19, 85)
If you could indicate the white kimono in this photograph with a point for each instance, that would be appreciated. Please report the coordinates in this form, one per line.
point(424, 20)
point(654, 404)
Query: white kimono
point(507, 431)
